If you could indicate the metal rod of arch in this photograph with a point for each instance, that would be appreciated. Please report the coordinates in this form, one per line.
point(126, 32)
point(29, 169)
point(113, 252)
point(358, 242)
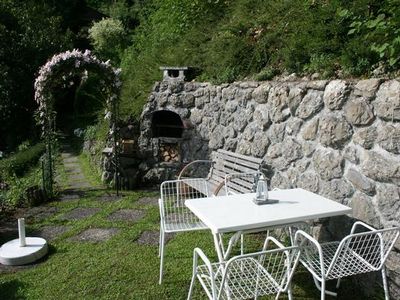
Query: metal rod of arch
point(117, 183)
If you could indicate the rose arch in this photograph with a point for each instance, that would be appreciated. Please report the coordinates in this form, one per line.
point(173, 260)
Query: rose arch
point(60, 71)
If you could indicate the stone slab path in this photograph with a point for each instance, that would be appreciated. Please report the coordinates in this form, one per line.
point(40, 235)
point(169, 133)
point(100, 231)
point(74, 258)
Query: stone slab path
point(76, 180)
point(75, 187)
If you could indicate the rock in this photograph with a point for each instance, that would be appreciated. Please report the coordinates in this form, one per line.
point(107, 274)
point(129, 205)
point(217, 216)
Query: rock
point(196, 116)
point(334, 131)
point(387, 101)
point(364, 210)
point(360, 182)
point(250, 131)
point(261, 115)
point(310, 129)
point(199, 92)
point(161, 99)
point(293, 126)
point(188, 100)
point(280, 164)
point(229, 132)
point(230, 144)
point(229, 93)
point(365, 137)
point(328, 164)
point(175, 86)
point(350, 153)
point(280, 181)
point(316, 84)
point(279, 110)
point(260, 94)
point(217, 138)
point(336, 189)
point(393, 269)
point(367, 88)
point(308, 148)
point(382, 169)
point(302, 165)
point(309, 181)
point(244, 147)
point(291, 150)
point(226, 118)
point(359, 112)
point(335, 94)
point(274, 151)
point(276, 132)
point(388, 199)
point(260, 144)
point(389, 138)
point(240, 122)
point(296, 94)
point(315, 76)
point(293, 175)
point(247, 84)
point(311, 104)
point(190, 86)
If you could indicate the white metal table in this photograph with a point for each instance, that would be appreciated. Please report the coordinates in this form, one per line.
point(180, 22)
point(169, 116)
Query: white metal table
point(238, 213)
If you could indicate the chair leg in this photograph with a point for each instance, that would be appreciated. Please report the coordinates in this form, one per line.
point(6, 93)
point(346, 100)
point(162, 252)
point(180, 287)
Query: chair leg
point(159, 242)
point(290, 294)
point(338, 283)
point(162, 238)
point(241, 244)
point(323, 289)
point(385, 284)
point(191, 286)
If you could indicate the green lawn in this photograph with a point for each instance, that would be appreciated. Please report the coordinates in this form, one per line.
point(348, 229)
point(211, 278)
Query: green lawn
point(120, 268)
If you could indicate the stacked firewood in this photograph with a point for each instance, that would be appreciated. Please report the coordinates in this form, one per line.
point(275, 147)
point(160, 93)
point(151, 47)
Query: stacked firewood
point(169, 153)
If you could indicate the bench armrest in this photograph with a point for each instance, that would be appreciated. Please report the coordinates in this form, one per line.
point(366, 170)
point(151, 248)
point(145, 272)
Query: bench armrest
point(200, 161)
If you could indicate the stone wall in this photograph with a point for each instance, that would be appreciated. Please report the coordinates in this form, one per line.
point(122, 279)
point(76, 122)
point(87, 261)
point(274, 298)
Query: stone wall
point(337, 138)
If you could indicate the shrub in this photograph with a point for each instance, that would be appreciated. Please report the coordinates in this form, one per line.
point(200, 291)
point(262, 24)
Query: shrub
point(20, 163)
point(107, 37)
point(24, 191)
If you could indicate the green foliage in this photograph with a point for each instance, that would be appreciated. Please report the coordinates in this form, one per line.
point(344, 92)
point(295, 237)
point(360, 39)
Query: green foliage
point(107, 37)
point(20, 163)
point(30, 32)
point(17, 193)
point(381, 31)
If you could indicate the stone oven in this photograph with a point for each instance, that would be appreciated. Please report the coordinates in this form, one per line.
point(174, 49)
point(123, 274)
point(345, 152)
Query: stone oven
point(167, 129)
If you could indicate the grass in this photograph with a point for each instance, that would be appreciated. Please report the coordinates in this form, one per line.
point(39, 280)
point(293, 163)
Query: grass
point(119, 268)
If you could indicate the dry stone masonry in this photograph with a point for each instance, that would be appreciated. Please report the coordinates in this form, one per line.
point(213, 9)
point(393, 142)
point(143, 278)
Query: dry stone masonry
point(338, 138)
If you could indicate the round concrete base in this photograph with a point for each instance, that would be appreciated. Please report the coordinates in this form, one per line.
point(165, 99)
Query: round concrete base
point(12, 254)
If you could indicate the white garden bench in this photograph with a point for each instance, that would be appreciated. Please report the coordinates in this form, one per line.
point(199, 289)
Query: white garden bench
point(235, 172)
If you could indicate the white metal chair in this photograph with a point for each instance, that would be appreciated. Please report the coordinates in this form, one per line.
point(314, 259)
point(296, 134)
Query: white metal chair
point(359, 252)
point(247, 276)
point(174, 215)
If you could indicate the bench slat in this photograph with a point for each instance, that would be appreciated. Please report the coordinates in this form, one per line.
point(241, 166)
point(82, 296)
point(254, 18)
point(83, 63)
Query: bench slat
point(238, 160)
point(227, 162)
point(244, 157)
point(229, 167)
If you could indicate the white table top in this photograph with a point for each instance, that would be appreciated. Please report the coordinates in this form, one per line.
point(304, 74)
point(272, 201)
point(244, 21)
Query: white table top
point(238, 212)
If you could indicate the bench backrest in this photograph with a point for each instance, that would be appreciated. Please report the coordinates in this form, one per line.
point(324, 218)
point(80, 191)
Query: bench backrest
point(227, 162)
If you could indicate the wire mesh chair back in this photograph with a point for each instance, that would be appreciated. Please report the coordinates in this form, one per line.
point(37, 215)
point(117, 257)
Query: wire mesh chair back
point(174, 214)
point(362, 252)
point(263, 273)
point(357, 253)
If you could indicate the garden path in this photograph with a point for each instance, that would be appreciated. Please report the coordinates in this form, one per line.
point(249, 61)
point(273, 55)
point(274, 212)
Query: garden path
point(76, 179)
point(75, 205)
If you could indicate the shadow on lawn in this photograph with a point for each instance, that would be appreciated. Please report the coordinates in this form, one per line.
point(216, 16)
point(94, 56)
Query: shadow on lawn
point(11, 289)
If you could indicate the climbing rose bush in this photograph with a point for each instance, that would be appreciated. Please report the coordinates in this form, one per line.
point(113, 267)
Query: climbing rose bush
point(60, 70)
